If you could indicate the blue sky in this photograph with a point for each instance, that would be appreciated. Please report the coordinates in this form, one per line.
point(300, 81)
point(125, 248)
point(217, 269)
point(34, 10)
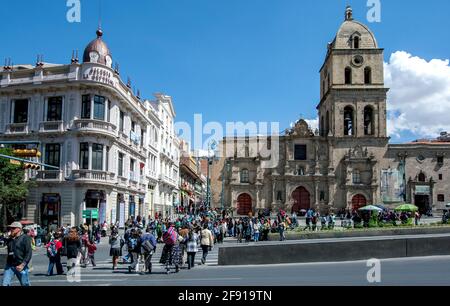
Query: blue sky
point(231, 60)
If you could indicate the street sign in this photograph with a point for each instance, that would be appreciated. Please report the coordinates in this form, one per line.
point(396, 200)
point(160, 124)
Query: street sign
point(92, 213)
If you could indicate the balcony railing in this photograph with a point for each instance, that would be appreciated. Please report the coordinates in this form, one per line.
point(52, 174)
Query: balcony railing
point(90, 124)
point(92, 175)
point(51, 126)
point(49, 175)
point(15, 128)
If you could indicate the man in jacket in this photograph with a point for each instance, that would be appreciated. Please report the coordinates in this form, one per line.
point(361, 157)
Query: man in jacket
point(19, 255)
point(207, 242)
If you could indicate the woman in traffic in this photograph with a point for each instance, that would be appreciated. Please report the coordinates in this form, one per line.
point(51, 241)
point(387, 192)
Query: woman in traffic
point(54, 255)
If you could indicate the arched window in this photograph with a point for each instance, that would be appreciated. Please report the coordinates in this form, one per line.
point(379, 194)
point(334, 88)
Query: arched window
point(322, 127)
point(422, 177)
point(327, 124)
point(369, 128)
point(356, 41)
point(368, 75)
point(244, 176)
point(348, 76)
point(348, 121)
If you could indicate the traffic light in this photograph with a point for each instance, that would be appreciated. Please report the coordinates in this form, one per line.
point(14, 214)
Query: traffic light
point(31, 166)
point(27, 153)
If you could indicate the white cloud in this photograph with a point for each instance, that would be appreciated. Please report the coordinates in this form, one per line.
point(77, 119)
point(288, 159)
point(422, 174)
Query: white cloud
point(419, 96)
point(313, 123)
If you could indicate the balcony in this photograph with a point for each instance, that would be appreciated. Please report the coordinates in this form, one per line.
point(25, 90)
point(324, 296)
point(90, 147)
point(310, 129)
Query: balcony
point(51, 126)
point(92, 175)
point(17, 128)
point(50, 175)
point(91, 124)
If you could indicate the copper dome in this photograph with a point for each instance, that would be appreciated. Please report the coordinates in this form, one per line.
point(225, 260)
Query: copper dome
point(97, 51)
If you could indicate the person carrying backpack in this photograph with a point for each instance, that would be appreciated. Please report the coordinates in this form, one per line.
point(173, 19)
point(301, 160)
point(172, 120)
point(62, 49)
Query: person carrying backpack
point(54, 256)
point(134, 248)
point(148, 248)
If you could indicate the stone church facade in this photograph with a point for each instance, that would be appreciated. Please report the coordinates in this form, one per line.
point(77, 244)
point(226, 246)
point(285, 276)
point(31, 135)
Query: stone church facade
point(348, 162)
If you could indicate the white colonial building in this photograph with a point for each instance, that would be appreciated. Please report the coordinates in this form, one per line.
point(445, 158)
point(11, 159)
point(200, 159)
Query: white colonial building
point(116, 152)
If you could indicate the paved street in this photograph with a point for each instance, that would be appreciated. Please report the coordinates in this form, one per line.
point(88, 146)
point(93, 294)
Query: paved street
point(404, 271)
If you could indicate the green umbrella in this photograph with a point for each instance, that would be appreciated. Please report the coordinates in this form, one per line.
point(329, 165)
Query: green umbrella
point(371, 208)
point(407, 207)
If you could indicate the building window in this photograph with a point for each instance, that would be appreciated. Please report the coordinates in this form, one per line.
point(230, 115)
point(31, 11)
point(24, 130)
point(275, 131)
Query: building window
point(84, 155)
point(368, 121)
point(440, 160)
point(300, 152)
point(54, 109)
point(279, 196)
point(322, 127)
point(97, 157)
point(440, 177)
point(121, 120)
point(20, 111)
point(133, 126)
point(99, 107)
point(367, 75)
point(356, 176)
point(245, 176)
point(132, 163)
point(441, 198)
point(86, 107)
point(322, 196)
point(52, 154)
point(348, 76)
point(120, 167)
point(422, 177)
point(327, 124)
point(356, 41)
point(348, 121)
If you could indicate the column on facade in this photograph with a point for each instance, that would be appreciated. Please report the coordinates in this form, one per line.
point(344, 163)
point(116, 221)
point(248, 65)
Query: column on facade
point(316, 192)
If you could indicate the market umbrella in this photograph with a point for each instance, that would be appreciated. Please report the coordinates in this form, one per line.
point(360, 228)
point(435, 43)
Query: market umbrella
point(407, 208)
point(381, 206)
point(371, 208)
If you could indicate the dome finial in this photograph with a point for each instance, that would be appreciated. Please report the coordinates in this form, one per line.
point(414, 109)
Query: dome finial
point(99, 32)
point(348, 13)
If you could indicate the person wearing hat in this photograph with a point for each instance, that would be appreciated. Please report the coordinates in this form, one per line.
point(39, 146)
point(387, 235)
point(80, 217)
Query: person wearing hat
point(19, 255)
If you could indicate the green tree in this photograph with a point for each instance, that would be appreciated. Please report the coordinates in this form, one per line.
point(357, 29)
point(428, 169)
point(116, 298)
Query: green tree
point(13, 188)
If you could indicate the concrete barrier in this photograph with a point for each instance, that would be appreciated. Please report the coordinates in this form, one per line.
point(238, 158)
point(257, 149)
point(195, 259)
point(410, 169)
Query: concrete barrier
point(335, 250)
point(293, 235)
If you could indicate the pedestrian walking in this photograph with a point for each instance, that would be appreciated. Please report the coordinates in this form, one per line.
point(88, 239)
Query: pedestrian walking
point(192, 248)
point(134, 248)
point(148, 245)
point(256, 231)
point(207, 242)
point(116, 242)
point(282, 229)
point(72, 244)
point(54, 255)
point(19, 255)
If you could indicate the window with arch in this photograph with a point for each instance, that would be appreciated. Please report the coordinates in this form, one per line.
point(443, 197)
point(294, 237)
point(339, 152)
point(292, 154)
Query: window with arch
point(322, 127)
point(356, 42)
point(369, 128)
point(245, 176)
point(422, 177)
point(348, 76)
point(367, 75)
point(348, 121)
point(327, 124)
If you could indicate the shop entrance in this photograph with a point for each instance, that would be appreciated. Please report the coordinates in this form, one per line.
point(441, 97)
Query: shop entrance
point(50, 210)
point(423, 202)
